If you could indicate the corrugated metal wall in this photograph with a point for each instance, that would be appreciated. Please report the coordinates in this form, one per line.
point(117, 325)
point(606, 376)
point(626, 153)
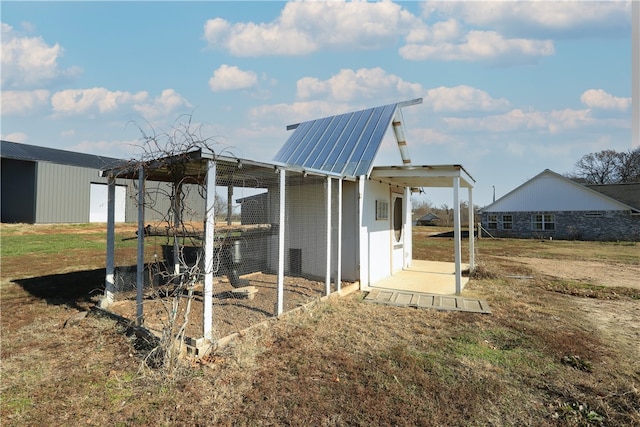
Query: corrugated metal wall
point(63, 196)
point(63, 192)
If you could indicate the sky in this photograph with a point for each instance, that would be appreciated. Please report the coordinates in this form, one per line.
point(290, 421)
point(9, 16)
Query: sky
point(509, 89)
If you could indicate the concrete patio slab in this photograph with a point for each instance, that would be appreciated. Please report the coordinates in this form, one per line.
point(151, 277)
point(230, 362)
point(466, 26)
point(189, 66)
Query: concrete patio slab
point(431, 277)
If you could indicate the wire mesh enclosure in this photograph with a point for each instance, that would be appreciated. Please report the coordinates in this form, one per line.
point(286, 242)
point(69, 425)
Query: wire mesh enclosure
point(275, 246)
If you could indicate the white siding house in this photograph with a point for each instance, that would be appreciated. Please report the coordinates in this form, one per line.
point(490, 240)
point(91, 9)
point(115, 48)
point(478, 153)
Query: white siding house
point(552, 206)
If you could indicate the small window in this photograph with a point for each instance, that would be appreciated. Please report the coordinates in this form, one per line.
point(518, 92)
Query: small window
point(543, 222)
point(382, 209)
point(492, 222)
point(397, 218)
point(593, 214)
point(507, 222)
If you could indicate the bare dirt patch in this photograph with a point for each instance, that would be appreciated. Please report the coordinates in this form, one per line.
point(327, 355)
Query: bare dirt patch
point(593, 272)
point(231, 313)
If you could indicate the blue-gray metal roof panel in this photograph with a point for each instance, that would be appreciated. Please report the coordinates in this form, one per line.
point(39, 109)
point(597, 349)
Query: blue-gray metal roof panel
point(16, 151)
point(345, 144)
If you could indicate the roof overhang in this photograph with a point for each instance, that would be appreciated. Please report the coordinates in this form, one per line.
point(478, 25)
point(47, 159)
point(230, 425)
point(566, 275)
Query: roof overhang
point(422, 176)
point(191, 167)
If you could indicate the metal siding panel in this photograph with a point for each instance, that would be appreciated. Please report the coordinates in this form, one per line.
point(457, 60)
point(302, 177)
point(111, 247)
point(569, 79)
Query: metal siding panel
point(341, 144)
point(328, 148)
point(289, 147)
point(323, 141)
point(63, 192)
point(308, 144)
point(296, 144)
point(374, 138)
point(357, 121)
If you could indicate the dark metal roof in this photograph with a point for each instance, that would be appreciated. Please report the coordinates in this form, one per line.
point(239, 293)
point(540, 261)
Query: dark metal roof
point(345, 144)
point(16, 151)
point(628, 193)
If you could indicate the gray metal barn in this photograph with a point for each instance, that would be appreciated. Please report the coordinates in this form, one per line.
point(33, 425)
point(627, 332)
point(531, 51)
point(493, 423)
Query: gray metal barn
point(43, 185)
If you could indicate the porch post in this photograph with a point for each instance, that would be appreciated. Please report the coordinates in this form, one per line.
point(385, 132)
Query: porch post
point(472, 261)
point(339, 255)
point(456, 233)
point(327, 280)
point(209, 229)
point(408, 230)
point(362, 262)
point(281, 230)
point(109, 284)
point(140, 265)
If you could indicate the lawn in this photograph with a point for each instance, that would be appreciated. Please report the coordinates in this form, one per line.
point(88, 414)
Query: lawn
point(560, 348)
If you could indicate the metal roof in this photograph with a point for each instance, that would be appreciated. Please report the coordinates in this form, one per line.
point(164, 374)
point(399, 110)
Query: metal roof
point(345, 144)
point(16, 151)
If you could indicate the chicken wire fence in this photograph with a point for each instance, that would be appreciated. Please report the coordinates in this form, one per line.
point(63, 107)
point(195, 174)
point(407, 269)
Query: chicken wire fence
point(249, 229)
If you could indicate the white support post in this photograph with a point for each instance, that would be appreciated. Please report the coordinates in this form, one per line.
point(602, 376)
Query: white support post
point(209, 228)
point(109, 282)
point(456, 233)
point(472, 261)
point(363, 240)
point(339, 255)
point(281, 230)
point(408, 230)
point(177, 197)
point(140, 265)
point(327, 281)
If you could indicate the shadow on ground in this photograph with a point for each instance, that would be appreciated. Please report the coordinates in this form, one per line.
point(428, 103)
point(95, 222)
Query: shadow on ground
point(74, 289)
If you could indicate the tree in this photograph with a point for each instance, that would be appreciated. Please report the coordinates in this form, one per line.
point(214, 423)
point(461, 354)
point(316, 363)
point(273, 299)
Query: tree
point(609, 167)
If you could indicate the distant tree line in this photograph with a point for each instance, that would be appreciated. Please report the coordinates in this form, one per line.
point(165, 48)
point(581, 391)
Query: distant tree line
point(608, 167)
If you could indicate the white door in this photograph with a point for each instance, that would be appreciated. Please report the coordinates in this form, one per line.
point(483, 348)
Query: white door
point(98, 203)
point(397, 232)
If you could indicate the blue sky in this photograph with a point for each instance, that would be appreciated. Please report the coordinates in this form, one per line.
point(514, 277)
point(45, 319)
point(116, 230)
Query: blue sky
point(509, 88)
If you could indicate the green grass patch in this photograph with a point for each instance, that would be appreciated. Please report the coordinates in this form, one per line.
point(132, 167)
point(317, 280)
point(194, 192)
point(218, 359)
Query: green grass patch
point(46, 244)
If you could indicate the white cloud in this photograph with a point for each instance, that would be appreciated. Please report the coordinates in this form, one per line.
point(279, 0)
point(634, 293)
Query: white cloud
point(232, 78)
point(365, 83)
point(427, 136)
point(306, 27)
point(79, 101)
point(23, 102)
point(118, 149)
point(30, 61)
point(519, 120)
point(479, 45)
point(15, 137)
point(598, 98)
point(165, 104)
point(532, 18)
point(297, 112)
point(462, 98)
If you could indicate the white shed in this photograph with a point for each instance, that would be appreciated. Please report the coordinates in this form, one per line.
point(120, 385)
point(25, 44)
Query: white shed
point(319, 214)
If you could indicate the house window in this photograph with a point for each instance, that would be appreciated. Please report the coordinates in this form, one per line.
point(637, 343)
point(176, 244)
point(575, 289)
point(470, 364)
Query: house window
point(544, 222)
point(507, 222)
point(382, 209)
point(492, 222)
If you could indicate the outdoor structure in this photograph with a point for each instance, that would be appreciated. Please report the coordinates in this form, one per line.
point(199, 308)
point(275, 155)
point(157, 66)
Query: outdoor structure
point(553, 206)
point(428, 219)
point(318, 216)
point(46, 185)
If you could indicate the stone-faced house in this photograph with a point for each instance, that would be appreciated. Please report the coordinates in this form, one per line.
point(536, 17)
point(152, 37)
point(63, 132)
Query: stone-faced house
point(553, 206)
